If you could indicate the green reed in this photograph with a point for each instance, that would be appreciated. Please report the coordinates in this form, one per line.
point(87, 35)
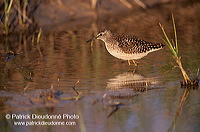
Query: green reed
point(174, 49)
point(39, 35)
point(7, 8)
point(17, 7)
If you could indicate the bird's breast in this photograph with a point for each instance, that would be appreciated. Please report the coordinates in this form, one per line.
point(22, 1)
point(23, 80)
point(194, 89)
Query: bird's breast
point(117, 52)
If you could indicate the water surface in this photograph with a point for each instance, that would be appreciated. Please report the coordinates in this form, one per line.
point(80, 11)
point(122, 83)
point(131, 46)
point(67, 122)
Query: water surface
point(147, 96)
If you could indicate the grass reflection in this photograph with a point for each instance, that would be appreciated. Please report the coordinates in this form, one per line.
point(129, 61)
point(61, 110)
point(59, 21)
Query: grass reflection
point(178, 112)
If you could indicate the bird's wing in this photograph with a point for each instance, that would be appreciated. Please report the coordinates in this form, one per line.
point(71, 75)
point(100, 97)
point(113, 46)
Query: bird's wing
point(131, 44)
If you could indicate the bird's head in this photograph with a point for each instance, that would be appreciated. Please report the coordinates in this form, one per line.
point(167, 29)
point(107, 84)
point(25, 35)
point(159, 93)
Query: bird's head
point(102, 36)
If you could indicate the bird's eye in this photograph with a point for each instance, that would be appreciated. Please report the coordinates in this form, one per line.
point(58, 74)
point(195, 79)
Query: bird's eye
point(100, 34)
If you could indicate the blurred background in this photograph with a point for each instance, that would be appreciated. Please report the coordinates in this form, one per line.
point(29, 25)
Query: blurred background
point(44, 56)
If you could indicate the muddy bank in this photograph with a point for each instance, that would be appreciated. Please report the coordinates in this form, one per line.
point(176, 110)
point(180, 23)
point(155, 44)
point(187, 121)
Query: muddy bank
point(70, 13)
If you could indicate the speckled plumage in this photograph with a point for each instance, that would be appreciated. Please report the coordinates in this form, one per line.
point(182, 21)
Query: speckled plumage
point(127, 47)
point(132, 45)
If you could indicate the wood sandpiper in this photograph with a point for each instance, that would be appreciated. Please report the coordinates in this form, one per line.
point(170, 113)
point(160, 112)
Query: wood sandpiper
point(126, 47)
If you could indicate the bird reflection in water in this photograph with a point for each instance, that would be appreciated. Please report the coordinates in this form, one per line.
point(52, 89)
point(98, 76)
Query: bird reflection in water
point(130, 80)
point(125, 86)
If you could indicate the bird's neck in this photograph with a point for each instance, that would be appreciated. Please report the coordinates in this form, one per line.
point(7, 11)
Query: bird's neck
point(109, 40)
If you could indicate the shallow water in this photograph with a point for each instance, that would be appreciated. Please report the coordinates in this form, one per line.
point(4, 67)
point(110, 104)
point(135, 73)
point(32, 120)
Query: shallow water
point(146, 98)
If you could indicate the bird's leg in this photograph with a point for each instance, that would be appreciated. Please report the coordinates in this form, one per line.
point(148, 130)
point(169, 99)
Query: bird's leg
point(129, 63)
point(134, 63)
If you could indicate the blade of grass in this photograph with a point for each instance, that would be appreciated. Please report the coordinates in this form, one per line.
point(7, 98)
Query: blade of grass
point(168, 41)
point(24, 10)
point(174, 49)
point(175, 34)
point(39, 35)
point(7, 14)
point(163, 39)
point(38, 40)
point(9, 7)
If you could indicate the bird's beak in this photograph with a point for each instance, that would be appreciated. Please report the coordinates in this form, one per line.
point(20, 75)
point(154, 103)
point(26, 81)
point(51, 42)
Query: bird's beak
point(92, 39)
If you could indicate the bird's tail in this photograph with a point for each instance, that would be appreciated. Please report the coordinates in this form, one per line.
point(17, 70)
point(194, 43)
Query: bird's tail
point(155, 46)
